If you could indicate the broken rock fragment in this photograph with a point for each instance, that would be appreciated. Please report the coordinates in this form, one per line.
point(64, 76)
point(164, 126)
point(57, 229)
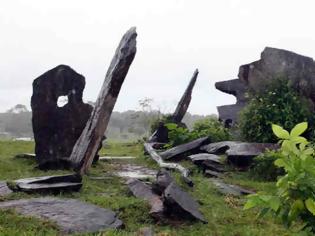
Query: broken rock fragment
point(180, 204)
point(53, 184)
point(144, 191)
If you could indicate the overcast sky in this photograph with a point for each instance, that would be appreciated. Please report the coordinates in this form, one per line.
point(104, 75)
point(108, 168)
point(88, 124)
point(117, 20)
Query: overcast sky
point(174, 38)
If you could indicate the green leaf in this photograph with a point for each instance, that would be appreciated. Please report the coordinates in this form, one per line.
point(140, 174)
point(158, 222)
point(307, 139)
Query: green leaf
point(310, 205)
point(280, 132)
point(298, 129)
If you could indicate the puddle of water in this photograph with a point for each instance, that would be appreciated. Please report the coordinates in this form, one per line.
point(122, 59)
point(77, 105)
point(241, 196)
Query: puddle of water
point(135, 171)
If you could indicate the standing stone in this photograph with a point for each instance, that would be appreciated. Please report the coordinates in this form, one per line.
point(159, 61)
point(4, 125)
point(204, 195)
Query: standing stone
point(274, 63)
point(56, 129)
point(87, 145)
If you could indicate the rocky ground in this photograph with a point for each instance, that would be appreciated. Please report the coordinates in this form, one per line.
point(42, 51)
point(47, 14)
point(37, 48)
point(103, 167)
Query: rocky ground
point(105, 193)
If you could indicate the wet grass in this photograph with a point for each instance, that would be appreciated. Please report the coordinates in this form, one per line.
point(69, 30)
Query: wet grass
point(224, 213)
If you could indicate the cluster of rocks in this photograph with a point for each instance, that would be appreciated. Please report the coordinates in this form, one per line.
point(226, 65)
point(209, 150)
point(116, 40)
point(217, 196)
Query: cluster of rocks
point(166, 198)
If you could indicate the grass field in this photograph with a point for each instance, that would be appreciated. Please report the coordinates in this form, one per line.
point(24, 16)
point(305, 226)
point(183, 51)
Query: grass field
point(224, 213)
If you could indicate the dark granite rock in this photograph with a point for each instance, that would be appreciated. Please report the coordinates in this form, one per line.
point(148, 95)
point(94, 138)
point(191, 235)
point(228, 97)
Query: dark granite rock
point(144, 191)
point(160, 135)
point(229, 189)
point(201, 157)
point(184, 148)
point(163, 180)
point(274, 63)
point(54, 184)
point(56, 129)
point(4, 189)
point(239, 154)
point(70, 215)
point(88, 144)
point(180, 204)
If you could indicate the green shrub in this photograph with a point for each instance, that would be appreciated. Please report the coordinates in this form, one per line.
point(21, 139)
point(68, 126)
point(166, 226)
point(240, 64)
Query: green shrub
point(207, 127)
point(212, 128)
point(278, 104)
point(263, 167)
point(296, 189)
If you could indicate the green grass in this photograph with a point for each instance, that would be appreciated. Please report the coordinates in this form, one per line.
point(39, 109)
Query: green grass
point(225, 214)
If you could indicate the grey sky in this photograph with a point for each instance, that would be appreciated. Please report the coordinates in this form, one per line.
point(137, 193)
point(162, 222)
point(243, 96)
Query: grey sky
point(174, 38)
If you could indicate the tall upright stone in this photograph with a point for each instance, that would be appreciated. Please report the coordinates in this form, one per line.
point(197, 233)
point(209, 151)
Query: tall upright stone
point(87, 145)
point(55, 128)
point(255, 76)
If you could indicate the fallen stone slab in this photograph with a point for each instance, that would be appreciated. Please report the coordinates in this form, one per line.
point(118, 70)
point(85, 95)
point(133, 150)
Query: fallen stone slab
point(144, 191)
point(109, 158)
point(239, 154)
point(70, 215)
point(219, 147)
point(4, 189)
point(53, 184)
point(209, 165)
point(201, 157)
point(229, 189)
point(180, 204)
point(184, 148)
point(211, 173)
point(30, 156)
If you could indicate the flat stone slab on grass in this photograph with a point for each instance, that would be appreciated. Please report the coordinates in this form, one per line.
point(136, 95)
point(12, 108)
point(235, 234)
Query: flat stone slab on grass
point(135, 171)
point(70, 215)
point(4, 189)
point(106, 158)
point(197, 158)
point(230, 189)
point(55, 183)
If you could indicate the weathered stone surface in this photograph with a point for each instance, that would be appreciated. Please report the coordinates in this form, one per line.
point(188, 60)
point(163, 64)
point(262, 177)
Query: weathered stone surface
point(56, 129)
point(179, 203)
point(53, 184)
point(163, 180)
point(211, 173)
point(184, 148)
point(144, 191)
point(219, 147)
point(239, 153)
point(201, 157)
point(184, 102)
point(210, 165)
point(242, 154)
point(160, 135)
point(229, 189)
point(71, 216)
point(274, 63)
point(4, 189)
point(90, 139)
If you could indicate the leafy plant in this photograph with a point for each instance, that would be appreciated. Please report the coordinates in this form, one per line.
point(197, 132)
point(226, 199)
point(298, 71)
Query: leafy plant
point(278, 103)
point(296, 189)
point(210, 127)
point(263, 167)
